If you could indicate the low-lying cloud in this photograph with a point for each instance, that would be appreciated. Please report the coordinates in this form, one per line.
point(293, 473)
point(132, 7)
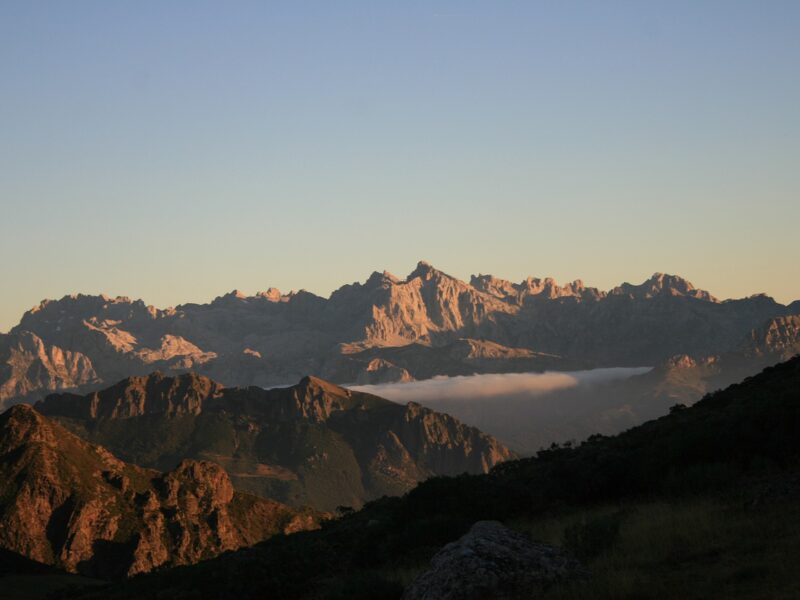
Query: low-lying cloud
point(471, 387)
point(527, 411)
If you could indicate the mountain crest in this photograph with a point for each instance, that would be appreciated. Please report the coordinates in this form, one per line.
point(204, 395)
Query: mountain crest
point(662, 284)
point(316, 399)
point(21, 424)
point(156, 393)
point(425, 270)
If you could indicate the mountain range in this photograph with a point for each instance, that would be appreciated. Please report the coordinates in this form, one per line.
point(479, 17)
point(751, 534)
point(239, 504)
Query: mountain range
point(385, 329)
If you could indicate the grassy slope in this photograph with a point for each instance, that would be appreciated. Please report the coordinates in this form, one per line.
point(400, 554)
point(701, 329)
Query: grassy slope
point(702, 547)
point(663, 510)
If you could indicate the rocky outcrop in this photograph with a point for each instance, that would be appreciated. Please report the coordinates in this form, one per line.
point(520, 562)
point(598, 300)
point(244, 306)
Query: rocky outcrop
point(137, 396)
point(71, 504)
point(492, 561)
point(779, 336)
point(379, 370)
point(313, 443)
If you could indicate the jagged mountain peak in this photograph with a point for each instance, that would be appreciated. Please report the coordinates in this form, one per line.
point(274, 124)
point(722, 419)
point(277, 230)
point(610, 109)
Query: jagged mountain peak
point(381, 279)
point(233, 297)
point(532, 287)
point(272, 294)
point(316, 399)
point(315, 385)
point(662, 284)
point(425, 271)
point(86, 301)
point(156, 393)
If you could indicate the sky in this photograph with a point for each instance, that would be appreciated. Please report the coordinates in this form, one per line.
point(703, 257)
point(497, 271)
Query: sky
point(174, 151)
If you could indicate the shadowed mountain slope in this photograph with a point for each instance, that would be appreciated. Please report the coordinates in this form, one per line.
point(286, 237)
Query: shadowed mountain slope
point(314, 443)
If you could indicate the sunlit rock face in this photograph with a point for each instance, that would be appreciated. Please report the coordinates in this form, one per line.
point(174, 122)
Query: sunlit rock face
point(428, 323)
point(72, 504)
point(30, 368)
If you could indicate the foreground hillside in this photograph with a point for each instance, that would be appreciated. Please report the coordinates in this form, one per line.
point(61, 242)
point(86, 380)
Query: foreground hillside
point(700, 503)
point(385, 329)
point(314, 443)
point(67, 503)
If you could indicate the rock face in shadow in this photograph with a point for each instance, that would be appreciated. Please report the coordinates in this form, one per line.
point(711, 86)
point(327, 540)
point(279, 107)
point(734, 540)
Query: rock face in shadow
point(314, 443)
point(449, 326)
point(492, 561)
point(71, 504)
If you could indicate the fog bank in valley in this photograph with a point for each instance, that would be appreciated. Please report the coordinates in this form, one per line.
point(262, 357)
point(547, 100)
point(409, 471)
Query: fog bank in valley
point(527, 411)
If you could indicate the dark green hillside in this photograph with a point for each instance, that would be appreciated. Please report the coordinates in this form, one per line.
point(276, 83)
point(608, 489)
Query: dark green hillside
point(699, 503)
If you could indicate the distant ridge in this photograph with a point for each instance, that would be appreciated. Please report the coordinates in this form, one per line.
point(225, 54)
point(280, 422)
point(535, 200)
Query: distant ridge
point(84, 342)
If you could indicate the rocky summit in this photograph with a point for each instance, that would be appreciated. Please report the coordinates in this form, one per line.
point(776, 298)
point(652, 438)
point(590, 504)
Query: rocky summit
point(446, 326)
point(314, 443)
point(71, 504)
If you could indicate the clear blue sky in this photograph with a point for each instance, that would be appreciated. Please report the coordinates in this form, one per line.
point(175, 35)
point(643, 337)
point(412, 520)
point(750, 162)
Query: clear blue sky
point(174, 151)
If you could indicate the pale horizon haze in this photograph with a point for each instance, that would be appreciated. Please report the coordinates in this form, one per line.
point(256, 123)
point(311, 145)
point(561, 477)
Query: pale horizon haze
point(174, 151)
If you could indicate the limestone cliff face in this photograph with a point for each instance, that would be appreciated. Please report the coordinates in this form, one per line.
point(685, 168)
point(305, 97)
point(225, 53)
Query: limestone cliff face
point(272, 338)
point(445, 446)
point(138, 396)
point(430, 305)
point(314, 443)
point(533, 288)
point(779, 336)
point(68, 503)
point(29, 367)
